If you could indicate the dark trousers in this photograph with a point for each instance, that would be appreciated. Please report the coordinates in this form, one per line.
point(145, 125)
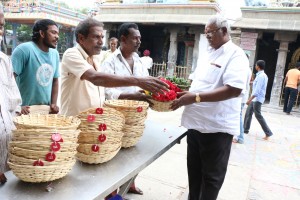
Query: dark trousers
point(255, 107)
point(290, 95)
point(207, 160)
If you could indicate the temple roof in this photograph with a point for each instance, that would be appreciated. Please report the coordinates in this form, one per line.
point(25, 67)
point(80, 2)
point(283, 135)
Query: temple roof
point(284, 18)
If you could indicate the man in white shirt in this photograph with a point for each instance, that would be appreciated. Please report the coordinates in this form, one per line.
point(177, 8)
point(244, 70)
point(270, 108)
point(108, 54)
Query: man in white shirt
point(113, 44)
point(212, 110)
point(126, 62)
point(10, 104)
point(147, 60)
point(82, 77)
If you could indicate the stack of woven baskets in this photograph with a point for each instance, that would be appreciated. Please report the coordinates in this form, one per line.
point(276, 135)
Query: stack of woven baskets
point(43, 147)
point(101, 135)
point(135, 113)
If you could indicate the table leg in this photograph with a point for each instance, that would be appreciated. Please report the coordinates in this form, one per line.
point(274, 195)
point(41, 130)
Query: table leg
point(179, 139)
point(125, 187)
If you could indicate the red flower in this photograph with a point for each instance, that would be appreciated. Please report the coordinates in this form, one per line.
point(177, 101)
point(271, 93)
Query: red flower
point(95, 148)
point(38, 163)
point(167, 96)
point(50, 157)
point(102, 127)
point(102, 137)
point(55, 146)
point(56, 137)
point(91, 117)
point(99, 111)
point(139, 109)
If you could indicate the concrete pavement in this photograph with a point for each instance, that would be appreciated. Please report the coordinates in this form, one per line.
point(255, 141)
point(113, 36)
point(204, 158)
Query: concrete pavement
point(258, 169)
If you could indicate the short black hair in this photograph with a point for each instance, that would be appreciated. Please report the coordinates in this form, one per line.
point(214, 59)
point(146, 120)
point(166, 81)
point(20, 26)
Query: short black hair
point(41, 25)
point(298, 65)
point(84, 26)
point(261, 64)
point(124, 29)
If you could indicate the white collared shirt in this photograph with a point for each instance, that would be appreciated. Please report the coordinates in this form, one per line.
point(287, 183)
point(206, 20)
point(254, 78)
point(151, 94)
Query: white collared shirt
point(10, 101)
point(116, 64)
point(147, 62)
point(227, 65)
point(78, 95)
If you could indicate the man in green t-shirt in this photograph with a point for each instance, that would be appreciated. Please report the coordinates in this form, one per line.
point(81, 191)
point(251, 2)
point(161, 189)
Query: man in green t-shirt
point(36, 67)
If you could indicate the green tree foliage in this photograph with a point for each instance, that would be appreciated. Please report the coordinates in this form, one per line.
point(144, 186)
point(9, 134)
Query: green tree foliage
point(24, 33)
point(62, 42)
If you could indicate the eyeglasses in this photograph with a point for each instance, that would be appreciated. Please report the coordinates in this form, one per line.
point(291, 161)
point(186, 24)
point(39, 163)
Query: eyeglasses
point(211, 33)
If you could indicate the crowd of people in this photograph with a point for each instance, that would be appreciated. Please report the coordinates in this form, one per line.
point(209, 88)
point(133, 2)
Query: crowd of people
point(213, 105)
point(31, 77)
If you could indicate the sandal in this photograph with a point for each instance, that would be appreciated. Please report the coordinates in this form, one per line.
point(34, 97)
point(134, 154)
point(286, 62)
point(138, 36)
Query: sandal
point(135, 190)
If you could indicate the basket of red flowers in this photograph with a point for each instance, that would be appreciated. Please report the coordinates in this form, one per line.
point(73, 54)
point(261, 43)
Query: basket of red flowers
point(162, 102)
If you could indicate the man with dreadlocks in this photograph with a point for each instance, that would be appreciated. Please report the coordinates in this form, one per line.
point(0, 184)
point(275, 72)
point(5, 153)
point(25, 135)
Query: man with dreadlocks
point(36, 67)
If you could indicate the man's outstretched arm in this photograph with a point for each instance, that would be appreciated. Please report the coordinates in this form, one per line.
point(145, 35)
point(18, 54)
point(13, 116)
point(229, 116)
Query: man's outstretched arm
point(149, 83)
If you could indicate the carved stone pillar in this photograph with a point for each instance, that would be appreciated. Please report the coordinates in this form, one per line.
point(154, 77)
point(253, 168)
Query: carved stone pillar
point(172, 55)
point(248, 42)
point(279, 72)
point(284, 39)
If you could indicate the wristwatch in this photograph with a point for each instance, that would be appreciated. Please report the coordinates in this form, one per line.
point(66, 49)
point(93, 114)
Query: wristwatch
point(198, 98)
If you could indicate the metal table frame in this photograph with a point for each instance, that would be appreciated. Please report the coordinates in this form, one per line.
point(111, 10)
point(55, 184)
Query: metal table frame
point(97, 181)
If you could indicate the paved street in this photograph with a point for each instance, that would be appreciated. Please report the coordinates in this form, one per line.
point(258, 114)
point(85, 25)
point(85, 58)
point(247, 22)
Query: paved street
point(258, 169)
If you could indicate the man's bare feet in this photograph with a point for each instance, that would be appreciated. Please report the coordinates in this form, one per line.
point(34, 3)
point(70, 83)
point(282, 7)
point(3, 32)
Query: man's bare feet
point(3, 178)
point(135, 190)
point(266, 137)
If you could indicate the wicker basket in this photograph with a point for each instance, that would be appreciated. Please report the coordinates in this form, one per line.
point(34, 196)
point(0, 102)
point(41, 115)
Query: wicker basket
point(39, 109)
point(43, 146)
point(132, 135)
point(41, 135)
point(35, 174)
point(18, 160)
point(135, 113)
point(92, 137)
point(114, 119)
point(38, 121)
point(35, 142)
point(103, 148)
point(97, 158)
point(161, 106)
point(36, 155)
point(95, 122)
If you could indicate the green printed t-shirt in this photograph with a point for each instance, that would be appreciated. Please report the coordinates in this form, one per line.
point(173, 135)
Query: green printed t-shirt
point(35, 71)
